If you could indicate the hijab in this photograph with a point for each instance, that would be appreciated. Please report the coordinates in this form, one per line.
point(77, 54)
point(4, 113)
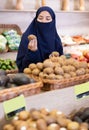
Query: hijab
point(46, 33)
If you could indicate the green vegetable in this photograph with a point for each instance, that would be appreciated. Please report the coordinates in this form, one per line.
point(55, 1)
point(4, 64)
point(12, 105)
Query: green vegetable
point(7, 64)
point(3, 42)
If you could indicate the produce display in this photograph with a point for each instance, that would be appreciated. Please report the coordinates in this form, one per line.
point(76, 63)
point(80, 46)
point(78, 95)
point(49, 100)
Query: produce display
point(3, 42)
point(83, 57)
point(9, 40)
point(13, 85)
point(80, 115)
point(43, 119)
point(75, 40)
point(13, 80)
point(7, 64)
point(58, 67)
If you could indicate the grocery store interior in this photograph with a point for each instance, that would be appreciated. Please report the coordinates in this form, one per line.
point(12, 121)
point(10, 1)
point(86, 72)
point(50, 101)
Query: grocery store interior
point(56, 94)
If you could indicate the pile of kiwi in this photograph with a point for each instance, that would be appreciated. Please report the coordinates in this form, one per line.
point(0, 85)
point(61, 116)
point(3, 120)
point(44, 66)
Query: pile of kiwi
point(43, 119)
point(57, 67)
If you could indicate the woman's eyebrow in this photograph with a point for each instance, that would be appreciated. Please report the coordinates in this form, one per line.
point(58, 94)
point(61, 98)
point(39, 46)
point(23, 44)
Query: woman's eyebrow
point(40, 16)
point(48, 16)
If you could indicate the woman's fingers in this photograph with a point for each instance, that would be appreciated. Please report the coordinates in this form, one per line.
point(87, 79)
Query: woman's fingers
point(33, 45)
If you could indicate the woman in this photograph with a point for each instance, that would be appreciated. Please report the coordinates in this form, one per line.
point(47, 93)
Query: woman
point(46, 41)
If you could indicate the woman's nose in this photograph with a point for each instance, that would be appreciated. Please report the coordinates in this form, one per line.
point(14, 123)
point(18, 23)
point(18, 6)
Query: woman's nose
point(44, 20)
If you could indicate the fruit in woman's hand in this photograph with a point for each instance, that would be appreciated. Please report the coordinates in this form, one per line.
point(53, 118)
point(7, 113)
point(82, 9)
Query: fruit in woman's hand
point(31, 37)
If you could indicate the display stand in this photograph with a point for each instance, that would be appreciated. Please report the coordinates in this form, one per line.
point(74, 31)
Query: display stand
point(63, 100)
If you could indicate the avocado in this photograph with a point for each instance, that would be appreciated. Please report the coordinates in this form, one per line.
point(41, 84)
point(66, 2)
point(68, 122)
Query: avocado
point(2, 72)
point(21, 79)
point(4, 79)
point(85, 114)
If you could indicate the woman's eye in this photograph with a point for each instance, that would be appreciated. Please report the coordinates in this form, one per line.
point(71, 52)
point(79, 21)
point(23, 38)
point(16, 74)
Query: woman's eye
point(48, 18)
point(40, 18)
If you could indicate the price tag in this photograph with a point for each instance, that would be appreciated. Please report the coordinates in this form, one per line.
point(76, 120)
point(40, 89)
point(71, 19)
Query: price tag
point(13, 106)
point(82, 90)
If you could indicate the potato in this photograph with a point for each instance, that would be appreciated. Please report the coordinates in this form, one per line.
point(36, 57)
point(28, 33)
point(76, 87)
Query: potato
point(50, 119)
point(73, 126)
point(83, 64)
point(32, 66)
point(48, 70)
point(41, 124)
point(55, 54)
point(27, 71)
point(66, 69)
point(22, 125)
point(48, 63)
point(53, 127)
point(67, 75)
point(73, 74)
point(52, 76)
point(8, 127)
point(54, 59)
point(56, 113)
point(32, 128)
point(44, 111)
point(24, 115)
point(41, 74)
point(59, 77)
point(62, 121)
point(84, 126)
point(31, 124)
point(80, 71)
point(39, 65)
point(35, 71)
point(58, 71)
point(16, 122)
point(45, 76)
point(31, 37)
point(35, 115)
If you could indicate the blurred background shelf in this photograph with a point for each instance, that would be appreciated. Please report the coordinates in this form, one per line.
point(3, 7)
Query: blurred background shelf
point(34, 4)
point(8, 55)
point(72, 22)
point(68, 23)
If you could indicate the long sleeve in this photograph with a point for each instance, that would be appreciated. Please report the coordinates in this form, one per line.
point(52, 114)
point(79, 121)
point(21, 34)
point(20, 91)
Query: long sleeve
point(25, 56)
point(59, 46)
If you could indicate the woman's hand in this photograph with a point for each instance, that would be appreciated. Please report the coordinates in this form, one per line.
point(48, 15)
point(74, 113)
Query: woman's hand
point(33, 45)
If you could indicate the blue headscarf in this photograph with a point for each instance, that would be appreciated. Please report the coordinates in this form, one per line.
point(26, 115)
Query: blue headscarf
point(47, 41)
point(46, 33)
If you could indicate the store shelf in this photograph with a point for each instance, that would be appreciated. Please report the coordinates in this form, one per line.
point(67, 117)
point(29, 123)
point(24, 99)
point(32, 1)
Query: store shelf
point(67, 23)
point(11, 55)
point(76, 48)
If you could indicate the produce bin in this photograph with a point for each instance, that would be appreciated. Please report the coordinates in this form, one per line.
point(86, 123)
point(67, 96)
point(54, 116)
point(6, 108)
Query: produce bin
point(26, 90)
point(50, 84)
point(10, 39)
point(62, 99)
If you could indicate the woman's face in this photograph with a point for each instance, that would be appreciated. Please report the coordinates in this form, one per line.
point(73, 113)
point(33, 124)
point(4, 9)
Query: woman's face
point(44, 17)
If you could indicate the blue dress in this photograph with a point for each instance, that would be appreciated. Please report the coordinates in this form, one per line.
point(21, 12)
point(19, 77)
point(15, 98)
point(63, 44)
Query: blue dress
point(48, 41)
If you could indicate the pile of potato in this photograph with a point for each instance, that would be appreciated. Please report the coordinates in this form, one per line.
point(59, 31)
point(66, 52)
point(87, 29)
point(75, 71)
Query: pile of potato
point(58, 67)
point(43, 119)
